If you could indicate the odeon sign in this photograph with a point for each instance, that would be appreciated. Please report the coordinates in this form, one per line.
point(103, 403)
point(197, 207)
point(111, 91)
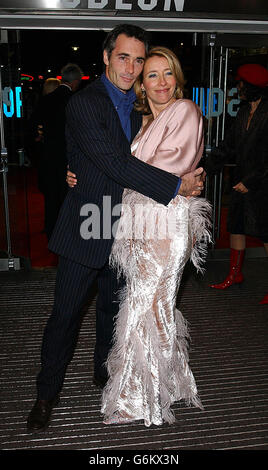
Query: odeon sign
point(229, 7)
point(211, 103)
point(124, 5)
point(145, 5)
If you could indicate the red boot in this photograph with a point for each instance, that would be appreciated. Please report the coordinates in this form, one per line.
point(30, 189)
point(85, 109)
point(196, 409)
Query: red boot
point(264, 300)
point(235, 275)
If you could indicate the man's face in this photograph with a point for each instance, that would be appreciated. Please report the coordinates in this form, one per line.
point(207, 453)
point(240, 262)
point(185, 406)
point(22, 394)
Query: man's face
point(125, 63)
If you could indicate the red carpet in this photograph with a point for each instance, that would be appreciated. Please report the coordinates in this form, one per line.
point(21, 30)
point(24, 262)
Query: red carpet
point(39, 253)
point(26, 207)
point(26, 214)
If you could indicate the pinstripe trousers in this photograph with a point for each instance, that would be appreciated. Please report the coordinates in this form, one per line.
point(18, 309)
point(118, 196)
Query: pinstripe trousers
point(72, 290)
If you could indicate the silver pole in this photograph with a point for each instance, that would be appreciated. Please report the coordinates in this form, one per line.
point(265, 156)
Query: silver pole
point(9, 263)
point(209, 135)
point(4, 169)
point(219, 86)
point(216, 195)
point(222, 137)
point(210, 101)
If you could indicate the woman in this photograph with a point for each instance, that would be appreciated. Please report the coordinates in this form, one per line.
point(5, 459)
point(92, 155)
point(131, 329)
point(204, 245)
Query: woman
point(246, 143)
point(148, 364)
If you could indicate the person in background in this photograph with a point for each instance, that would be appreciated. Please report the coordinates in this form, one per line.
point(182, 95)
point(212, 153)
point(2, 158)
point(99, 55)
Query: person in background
point(34, 139)
point(50, 84)
point(54, 143)
point(246, 143)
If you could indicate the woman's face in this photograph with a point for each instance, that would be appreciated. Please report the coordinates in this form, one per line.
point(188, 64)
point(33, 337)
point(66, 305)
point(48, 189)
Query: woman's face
point(158, 81)
point(241, 91)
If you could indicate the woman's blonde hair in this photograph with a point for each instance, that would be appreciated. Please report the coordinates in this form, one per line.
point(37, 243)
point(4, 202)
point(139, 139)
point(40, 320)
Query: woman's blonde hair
point(142, 104)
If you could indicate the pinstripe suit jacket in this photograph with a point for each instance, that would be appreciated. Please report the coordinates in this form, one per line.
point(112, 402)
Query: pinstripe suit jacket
point(99, 154)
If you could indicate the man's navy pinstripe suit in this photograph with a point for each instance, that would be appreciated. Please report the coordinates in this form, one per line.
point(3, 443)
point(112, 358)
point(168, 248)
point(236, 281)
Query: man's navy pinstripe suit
point(99, 154)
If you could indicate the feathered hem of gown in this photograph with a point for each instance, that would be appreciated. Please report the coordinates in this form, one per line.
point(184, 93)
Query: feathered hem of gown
point(159, 380)
point(176, 381)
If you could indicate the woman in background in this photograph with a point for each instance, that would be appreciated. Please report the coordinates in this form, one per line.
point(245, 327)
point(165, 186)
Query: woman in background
point(246, 143)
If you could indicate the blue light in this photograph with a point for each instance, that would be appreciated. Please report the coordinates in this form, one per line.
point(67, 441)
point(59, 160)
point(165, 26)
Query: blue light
point(18, 101)
point(8, 102)
point(11, 103)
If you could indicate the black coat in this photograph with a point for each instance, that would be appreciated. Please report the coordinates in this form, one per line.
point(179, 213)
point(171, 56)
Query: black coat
point(53, 120)
point(99, 154)
point(248, 149)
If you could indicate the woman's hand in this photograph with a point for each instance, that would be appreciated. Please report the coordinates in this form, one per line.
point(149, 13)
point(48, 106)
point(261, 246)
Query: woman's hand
point(71, 179)
point(240, 188)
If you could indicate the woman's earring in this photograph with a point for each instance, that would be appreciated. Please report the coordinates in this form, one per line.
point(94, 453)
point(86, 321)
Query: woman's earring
point(143, 94)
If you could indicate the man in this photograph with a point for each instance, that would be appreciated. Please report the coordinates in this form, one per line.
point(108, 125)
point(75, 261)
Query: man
point(55, 159)
point(101, 124)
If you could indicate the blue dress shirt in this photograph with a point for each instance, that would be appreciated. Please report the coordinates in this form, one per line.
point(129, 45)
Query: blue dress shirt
point(123, 103)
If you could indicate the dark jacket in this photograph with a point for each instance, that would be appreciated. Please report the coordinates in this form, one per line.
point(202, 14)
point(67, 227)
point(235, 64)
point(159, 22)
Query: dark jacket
point(53, 120)
point(99, 154)
point(248, 149)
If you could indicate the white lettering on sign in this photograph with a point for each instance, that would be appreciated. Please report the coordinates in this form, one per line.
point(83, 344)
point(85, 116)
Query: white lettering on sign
point(120, 5)
point(147, 6)
point(97, 3)
point(70, 3)
point(179, 4)
point(144, 5)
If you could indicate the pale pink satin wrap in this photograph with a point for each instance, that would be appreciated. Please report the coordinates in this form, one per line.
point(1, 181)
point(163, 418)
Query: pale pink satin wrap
point(174, 140)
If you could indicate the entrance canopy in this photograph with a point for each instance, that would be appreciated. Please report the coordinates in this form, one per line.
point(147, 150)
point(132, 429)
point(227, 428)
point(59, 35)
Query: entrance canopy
point(226, 16)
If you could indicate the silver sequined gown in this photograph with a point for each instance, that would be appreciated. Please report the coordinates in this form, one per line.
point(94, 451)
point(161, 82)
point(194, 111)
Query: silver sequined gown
point(148, 364)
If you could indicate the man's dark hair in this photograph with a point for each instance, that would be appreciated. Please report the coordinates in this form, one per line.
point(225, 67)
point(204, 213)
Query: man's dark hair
point(71, 72)
point(130, 31)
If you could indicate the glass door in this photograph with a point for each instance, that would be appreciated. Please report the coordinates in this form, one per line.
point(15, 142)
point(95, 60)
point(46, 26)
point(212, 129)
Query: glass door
point(211, 95)
point(216, 121)
point(14, 233)
point(218, 99)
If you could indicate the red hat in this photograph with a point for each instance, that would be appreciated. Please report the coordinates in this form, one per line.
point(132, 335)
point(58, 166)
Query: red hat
point(253, 73)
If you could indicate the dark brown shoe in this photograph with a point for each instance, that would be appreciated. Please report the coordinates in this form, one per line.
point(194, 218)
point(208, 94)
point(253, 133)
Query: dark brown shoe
point(38, 419)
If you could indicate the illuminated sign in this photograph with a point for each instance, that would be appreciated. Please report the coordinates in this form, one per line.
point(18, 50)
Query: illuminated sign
point(85, 77)
point(211, 102)
point(124, 5)
point(24, 76)
point(12, 103)
point(259, 7)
